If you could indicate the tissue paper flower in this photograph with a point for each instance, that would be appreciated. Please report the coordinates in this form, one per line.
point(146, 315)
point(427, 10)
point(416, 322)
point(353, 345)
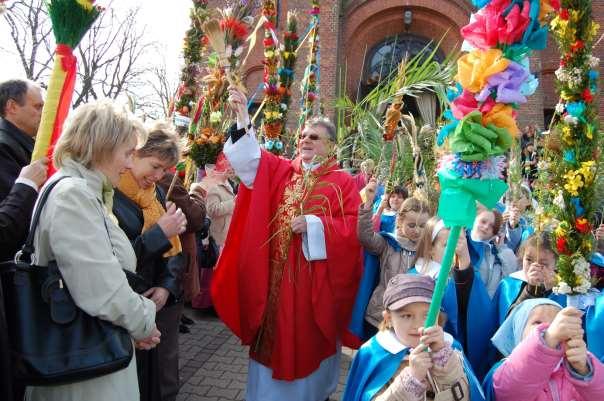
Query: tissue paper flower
point(497, 24)
point(507, 84)
point(502, 116)
point(477, 66)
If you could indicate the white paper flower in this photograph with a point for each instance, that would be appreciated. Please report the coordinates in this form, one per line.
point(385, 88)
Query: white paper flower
point(571, 120)
point(215, 117)
point(238, 51)
point(593, 62)
point(561, 74)
point(562, 288)
point(559, 200)
point(560, 107)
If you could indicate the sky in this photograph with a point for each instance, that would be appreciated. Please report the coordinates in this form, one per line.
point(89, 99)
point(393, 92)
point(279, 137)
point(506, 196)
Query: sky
point(166, 23)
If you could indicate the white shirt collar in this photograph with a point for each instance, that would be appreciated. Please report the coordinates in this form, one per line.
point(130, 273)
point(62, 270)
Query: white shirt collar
point(428, 268)
point(310, 166)
point(388, 340)
point(519, 275)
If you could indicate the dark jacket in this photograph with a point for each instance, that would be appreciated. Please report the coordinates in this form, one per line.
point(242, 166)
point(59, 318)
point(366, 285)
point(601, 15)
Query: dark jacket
point(15, 153)
point(14, 209)
point(149, 247)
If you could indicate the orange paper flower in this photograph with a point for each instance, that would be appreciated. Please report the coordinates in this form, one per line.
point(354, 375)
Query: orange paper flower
point(502, 116)
point(477, 66)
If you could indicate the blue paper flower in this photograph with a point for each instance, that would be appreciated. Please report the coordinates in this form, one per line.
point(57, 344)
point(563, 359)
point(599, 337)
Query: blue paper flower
point(579, 210)
point(278, 145)
point(576, 109)
point(269, 144)
point(593, 75)
point(569, 156)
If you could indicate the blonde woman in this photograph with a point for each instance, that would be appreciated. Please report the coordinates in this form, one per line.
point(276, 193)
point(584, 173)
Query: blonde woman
point(76, 230)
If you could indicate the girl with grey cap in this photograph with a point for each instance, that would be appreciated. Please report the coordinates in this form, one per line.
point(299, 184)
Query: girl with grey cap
point(546, 356)
point(405, 361)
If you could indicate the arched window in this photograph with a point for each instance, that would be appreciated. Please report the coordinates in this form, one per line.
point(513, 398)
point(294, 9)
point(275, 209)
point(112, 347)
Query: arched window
point(387, 55)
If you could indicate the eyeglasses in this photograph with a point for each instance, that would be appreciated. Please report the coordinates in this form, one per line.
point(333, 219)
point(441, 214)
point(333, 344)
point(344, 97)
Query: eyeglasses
point(312, 137)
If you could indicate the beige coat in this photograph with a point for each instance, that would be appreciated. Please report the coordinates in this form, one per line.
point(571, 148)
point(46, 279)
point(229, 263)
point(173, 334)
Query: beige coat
point(220, 203)
point(91, 258)
point(392, 262)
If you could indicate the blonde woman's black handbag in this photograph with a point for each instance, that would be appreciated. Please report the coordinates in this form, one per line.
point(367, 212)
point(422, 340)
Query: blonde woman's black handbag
point(52, 341)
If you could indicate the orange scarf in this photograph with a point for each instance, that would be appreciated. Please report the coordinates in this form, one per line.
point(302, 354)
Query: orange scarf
point(151, 207)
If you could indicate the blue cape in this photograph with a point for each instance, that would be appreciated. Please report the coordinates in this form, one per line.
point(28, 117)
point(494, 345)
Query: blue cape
point(369, 281)
point(373, 367)
point(594, 322)
point(487, 384)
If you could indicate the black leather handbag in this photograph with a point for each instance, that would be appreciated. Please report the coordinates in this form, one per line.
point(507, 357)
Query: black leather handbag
point(52, 341)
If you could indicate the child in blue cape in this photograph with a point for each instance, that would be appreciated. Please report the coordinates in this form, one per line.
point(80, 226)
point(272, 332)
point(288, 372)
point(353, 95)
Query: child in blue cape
point(386, 255)
point(490, 256)
point(466, 302)
point(518, 219)
point(405, 361)
point(384, 220)
point(535, 280)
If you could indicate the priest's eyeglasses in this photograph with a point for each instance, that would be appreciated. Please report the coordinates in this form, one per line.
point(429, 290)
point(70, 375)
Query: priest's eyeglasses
point(312, 137)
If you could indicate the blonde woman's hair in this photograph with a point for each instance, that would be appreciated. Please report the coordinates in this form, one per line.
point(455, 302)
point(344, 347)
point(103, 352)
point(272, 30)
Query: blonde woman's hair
point(161, 142)
point(93, 133)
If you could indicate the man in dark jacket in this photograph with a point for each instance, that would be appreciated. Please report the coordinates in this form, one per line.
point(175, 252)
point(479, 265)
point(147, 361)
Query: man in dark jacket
point(14, 209)
point(21, 105)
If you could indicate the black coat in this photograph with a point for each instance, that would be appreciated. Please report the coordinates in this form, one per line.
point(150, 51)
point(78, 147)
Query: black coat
point(149, 247)
point(14, 209)
point(15, 153)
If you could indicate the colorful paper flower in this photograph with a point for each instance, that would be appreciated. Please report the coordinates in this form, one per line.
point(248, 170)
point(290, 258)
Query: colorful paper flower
point(476, 67)
point(502, 116)
point(587, 96)
point(493, 25)
point(507, 84)
point(582, 225)
point(561, 245)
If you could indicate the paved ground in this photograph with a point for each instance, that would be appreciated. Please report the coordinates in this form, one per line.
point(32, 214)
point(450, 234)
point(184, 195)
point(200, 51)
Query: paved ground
point(213, 364)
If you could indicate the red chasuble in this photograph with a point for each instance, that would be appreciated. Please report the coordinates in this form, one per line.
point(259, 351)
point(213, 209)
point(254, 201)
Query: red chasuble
point(290, 312)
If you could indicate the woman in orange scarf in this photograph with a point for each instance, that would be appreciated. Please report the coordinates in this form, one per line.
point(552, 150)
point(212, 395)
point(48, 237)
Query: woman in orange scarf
point(152, 225)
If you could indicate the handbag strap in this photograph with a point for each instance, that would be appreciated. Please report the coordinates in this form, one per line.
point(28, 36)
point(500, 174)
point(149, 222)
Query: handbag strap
point(28, 248)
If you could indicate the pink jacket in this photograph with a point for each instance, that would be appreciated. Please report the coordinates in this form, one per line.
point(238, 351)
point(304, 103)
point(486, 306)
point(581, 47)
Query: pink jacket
point(528, 375)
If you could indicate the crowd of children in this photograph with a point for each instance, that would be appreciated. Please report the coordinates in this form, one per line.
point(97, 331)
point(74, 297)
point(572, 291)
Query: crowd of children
point(502, 333)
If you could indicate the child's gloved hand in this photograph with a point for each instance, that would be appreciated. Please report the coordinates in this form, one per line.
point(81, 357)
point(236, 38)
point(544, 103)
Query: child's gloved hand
point(434, 337)
point(566, 325)
point(576, 355)
point(420, 362)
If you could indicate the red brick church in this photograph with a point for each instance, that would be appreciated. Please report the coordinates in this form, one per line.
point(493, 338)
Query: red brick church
point(361, 38)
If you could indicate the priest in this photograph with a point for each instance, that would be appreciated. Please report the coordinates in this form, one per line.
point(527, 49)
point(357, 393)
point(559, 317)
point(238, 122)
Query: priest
point(286, 280)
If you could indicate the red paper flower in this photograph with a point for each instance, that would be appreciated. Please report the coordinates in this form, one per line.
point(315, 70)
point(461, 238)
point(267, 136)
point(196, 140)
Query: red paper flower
point(561, 245)
point(555, 4)
point(582, 225)
point(587, 96)
point(204, 40)
point(236, 27)
point(491, 27)
point(564, 14)
point(464, 104)
point(578, 45)
point(268, 42)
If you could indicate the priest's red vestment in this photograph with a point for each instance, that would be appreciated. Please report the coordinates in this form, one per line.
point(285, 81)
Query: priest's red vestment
point(291, 312)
